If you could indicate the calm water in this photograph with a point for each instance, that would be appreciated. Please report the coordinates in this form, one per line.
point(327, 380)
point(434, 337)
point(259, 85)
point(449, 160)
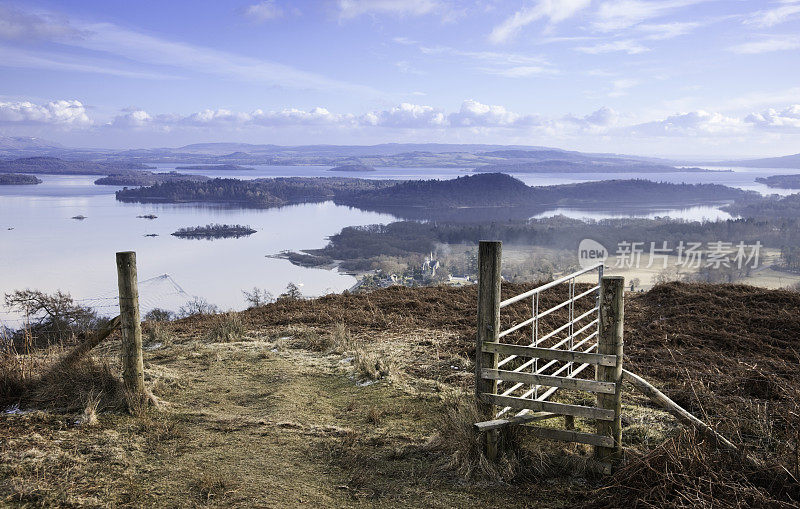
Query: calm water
point(47, 250)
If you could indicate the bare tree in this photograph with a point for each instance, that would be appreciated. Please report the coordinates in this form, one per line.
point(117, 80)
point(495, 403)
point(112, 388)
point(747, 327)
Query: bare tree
point(52, 317)
point(257, 297)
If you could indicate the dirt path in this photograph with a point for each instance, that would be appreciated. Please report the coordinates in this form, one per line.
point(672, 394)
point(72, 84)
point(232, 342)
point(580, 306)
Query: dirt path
point(246, 424)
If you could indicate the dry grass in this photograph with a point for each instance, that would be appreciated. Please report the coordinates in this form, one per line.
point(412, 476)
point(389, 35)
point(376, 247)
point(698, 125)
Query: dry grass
point(156, 335)
point(31, 382)
point(212, 486)
point(226, 328)
point(296, 426)
point(521, 458)
point(686, 472)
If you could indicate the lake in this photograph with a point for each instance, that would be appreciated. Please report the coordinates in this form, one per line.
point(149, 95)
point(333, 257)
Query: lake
point(48, 250)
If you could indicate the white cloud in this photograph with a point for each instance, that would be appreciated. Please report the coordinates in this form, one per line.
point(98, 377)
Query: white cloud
point(264, 11)
point(113, 41)
point(771, 118)
point(354, 8)
point(700, 122)
point(628, 46)
point(25, 59)
point(554, 11)
point(406, 68)
point(493, 57)
point(771, 17)
point(620, 14)
point(132, 118)
point(27, 26)
point(471, 118)
point(667, 30)
point(294, 116)
point(406, 115)
point(110, 38)
point(475, 114)
point(521, 71)
point(768, 45)
point(620, 87)
point(63, 113)
point(491, 62)
point(605, 117)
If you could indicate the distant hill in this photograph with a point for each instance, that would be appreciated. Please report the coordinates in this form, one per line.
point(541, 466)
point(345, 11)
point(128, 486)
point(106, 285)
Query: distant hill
point(25, 143)
point(791, 161)
point(54, 165)
point(488, 190)
point(586, 166)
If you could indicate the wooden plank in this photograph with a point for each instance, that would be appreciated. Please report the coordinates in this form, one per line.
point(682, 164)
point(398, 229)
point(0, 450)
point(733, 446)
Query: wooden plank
point(82, 349)
point(586, 412)
point(578, 384)
point(572, 436)
point(676, 410)
point(550, 354)
point(509, 421)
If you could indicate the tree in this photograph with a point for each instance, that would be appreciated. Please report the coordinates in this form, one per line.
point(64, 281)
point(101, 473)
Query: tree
point(257, 297)
point(197, 306)
point(52, 317)
point(634, 283)
point(292, 292)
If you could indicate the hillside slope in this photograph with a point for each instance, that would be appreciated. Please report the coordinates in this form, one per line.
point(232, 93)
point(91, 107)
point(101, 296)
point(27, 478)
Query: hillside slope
point(285, 412)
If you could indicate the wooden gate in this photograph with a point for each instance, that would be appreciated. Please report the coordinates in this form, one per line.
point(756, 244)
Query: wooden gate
point(515, 380)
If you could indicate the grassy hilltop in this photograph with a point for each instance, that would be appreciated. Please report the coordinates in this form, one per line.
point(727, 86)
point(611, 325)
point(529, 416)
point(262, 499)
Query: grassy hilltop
point(362, 400)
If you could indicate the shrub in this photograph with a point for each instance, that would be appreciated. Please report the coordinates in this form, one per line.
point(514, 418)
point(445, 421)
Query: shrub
point(197, 306)
point(227, 328)
point(159, 315)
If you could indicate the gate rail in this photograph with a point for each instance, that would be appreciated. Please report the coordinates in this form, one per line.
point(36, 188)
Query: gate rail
point(593, 338)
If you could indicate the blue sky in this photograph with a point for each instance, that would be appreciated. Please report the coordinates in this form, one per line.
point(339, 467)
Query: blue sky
point(671, 77)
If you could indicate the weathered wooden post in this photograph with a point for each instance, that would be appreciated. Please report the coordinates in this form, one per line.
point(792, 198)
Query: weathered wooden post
point(610, 342)
point(489, 260)
point(132, 364)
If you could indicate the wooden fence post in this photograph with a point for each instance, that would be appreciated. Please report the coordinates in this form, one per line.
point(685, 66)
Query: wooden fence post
point(489, 260)
point(132, 364)
point(610, 342)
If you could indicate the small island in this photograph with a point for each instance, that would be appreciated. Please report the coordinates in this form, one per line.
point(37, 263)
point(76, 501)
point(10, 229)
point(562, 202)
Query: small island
point(79, 217)
point(353, 168)
point(17, 179)
point(147, 178)
point(781, 181)
point(214, 231)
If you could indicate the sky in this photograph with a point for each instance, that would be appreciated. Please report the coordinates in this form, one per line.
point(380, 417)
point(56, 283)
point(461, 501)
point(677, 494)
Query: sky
point(676, 78)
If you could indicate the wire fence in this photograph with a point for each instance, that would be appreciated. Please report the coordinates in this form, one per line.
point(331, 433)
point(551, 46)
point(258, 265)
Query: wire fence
point(159, 292)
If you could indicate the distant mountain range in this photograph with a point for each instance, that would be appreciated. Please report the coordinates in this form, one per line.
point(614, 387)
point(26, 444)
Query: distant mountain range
point(483, 157)
point(792, 161)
